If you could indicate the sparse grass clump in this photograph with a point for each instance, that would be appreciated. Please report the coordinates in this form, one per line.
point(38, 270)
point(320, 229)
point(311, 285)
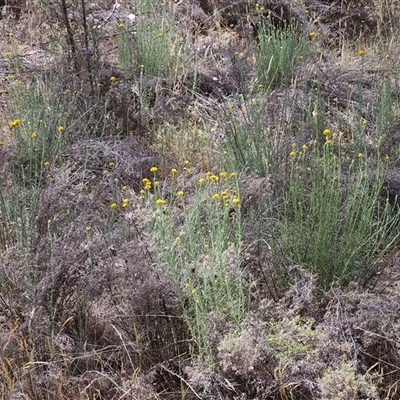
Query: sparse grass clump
point(333, 218)
point(280, 50)
point(198, 242)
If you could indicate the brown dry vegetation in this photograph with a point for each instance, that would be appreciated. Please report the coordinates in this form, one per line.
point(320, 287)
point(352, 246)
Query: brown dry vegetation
point(88, 307)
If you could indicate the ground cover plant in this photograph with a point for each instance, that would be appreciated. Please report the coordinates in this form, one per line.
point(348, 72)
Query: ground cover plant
point(199, 200)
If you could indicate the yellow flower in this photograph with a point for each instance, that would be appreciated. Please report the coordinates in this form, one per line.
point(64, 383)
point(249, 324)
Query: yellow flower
point(113, 78)
point(15, 123)
point(193, 291)
point(124, 187)
point(304, 147)
point(186, 162)
point(201, 180)
point(2, 143)
point(224, 195)
point(187, 171)
point(174, 170)
point(235, 200)
point(311, 34)
point(160, 202)
point(233, 174)
point(213, 178)
point(180, 193)
point(7, 54)
point(141, 66)
point(215, 196)
point(177, 239)
point(326, 132)
point(121, 25)
point(361, 52)
point(34, 135)
point(292, 154)
point(60, 128)
point(153, 169)
point(46, 164)
point(223, 174)
point(111, 164)
point(330, 142)
point(360, 155)
point(125, 203)
point(88, 228)
point(113, 205)
point(187, 285)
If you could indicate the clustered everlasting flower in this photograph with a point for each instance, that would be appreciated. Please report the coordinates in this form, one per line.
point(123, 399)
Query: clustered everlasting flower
point(147, 183)
point(15, 123)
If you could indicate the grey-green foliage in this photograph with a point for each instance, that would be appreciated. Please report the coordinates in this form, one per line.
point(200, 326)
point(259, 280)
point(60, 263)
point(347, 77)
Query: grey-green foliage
point(334, 221)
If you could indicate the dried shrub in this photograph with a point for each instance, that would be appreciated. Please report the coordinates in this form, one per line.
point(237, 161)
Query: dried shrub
point(101, 307)
point(343, 383)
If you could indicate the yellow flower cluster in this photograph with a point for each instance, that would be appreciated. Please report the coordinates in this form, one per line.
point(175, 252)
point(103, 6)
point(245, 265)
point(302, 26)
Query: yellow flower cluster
point(146, 183)
point(192, 291)
point(15, 123)
point(330, 136)
point(259, 7)
point(226, 197)
point(210, 176)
